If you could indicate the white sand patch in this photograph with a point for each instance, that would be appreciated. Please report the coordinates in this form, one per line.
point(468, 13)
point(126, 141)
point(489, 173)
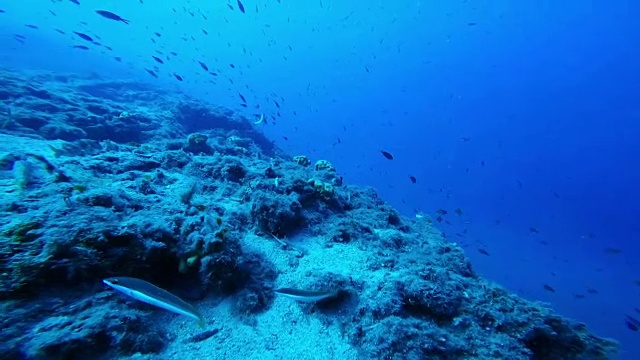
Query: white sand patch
point(284, 331)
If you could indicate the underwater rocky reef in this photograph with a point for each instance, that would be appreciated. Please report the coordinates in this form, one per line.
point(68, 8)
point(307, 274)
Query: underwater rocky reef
point(103, 178)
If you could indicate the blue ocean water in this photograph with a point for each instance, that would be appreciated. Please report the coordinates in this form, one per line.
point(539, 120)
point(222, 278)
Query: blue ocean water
point(519, 119)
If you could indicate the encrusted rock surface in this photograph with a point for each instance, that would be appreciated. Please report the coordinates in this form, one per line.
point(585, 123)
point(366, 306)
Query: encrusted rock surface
point(107, 178)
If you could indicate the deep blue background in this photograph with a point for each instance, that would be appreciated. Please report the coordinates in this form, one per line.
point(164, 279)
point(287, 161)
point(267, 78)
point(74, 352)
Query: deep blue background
point(546, 92)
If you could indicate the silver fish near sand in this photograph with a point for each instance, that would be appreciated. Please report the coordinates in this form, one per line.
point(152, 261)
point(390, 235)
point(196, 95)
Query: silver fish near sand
point(307, 296)
point(153, 295)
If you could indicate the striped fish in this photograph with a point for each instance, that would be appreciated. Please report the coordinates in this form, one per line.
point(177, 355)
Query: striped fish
point(307, 296)
point(153, 295)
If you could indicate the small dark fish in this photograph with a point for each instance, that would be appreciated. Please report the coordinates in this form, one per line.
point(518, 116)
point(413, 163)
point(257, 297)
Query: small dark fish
point(465, 138)
point(633, 320)
point(230, 7)
point(366, 68)
point(75, 2)
point(31, 26)
point(483, 252)
point(534, 230)
point(178, 77)
point(81, 47)
point(458, 211)
point(472, 24)
point(386, 154)
point(232, 66)
point(632, 326)
point(205, 32)
point(201, 336)
point(592, 291)
point(413, 179)
point(612, 251)
point(152, 73)
point(111, 16)
point(549, 288)
point(203, 66)
point(83, 36)
point(497, 222)
point(442, 212)
point(632, 323)
point(157, 59)
point(242, 97)
point(277, 104)
point(243, 105)
point(579, 296)
point(240, 6)
point(118, 59)
point(439, 219)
